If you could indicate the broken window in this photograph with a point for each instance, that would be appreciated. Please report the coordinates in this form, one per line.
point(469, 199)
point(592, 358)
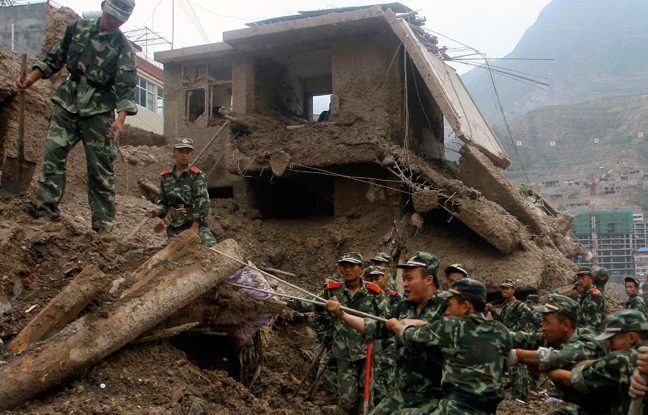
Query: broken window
point(220, 96)
point(195, 104)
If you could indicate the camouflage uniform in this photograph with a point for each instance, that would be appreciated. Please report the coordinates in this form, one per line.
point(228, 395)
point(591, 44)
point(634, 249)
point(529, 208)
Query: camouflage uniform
point(385, 361)
point(592, 309)
point(610, 375)
point(601, 276)
point(474, 349)
point(102, 79)
point(536, 317)
point(418, 373)
point(515, 315)
point(636, 303)
point(582, 345)
point(347, 345)
point(188, 189)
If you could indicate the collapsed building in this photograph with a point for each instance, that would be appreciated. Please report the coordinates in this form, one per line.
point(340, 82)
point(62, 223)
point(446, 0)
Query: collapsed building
point(248, 104)
point(294, 192)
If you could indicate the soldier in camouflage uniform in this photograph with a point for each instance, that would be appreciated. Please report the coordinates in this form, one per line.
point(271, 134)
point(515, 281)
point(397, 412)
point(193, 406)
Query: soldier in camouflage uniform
point(385, 260)
point(536, 317)
point(184, 200)
point(635, 301)
point(473, 347)
point(454, 272)
point(601, 277)
point(347, 345)
point(101, 62)
point(592, 301)
point(418, 373)
point(515, 315)
point(626, 330)
point(562, 345)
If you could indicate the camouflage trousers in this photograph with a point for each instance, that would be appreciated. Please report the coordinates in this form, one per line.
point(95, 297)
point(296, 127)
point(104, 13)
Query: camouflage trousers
point(452, 407)
point(328, 366)
point(206, 237)
point(519, 382)
point(65, 131)
point(385, 368)
point(351, 385)
point(397, 402)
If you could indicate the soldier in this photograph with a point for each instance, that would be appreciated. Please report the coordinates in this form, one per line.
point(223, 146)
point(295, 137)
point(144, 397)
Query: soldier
point(418, 373)
point(635, 302)
point(562, 345)
point(626, 331)
point(455, 271)
point(515, 315)
point(385, 260)
point(347, 345)
point(474, 349)
point(384, 349)
point(101, 62)
point(184, 200)
point(536, 317)
point(601, 277)
point(592, 302)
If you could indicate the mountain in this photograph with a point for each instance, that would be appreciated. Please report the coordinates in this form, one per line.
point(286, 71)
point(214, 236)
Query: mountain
point(599, 48)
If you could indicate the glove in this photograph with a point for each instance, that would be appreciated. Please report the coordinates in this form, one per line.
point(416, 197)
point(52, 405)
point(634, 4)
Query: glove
point(512, 359)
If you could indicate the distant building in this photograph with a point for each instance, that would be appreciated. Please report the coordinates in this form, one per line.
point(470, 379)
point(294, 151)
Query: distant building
point(615, 231)
point(149, 97)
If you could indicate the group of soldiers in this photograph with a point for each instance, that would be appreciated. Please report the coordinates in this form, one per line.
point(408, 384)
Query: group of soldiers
point(435, 351)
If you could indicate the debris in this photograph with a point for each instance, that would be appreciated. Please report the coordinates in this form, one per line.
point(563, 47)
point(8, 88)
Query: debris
point(31, 308)
point(18, 287)
point(5, 305)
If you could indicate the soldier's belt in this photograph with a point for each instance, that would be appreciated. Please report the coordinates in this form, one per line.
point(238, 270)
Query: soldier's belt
point(173, 214)
point(82, 79)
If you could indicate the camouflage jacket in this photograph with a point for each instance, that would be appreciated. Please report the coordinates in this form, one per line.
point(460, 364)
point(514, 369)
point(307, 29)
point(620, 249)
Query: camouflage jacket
point(418, 372)
point(636, 303)
point(515, 315)
point(610, 376)
point(536, 321)
point(580, 346)
point(106, 60)
point(346, 343)
point(474, 349)
point(393, 298)
point(592, 309)
point(188, 189)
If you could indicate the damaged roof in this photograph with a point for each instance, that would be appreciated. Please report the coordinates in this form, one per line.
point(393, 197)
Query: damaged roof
point(395, 7)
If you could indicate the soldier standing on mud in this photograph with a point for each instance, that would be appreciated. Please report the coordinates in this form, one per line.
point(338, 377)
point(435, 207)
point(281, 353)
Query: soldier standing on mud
point(635, 301)
point(347, 345)
point(515, 315)
point(418, 373)
point(592, 302)
point(455, 271)
point(184, 200)
point(102, 65)
point(385, 260)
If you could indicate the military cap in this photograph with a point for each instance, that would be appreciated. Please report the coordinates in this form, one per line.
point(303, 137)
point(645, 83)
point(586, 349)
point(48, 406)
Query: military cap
point(352, 258)
point(367, 271)
point(119, 9)
point(423, 259)
point(601, 271)
point(457, 268)
point(533, 297)
point(624, 321)
point(560, 304)
point(632, 279)
point(377, 270)
point(467, 288)
point(508, 283)
point(183, 143)
point(382, 257)
point(584, 271)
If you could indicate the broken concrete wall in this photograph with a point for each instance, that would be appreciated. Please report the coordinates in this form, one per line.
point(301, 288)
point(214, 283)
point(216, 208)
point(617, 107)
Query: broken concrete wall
point(278, 92)
point(367, 80)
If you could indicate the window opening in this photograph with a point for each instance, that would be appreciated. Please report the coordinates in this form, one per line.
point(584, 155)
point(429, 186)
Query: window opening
point(321, 107)
point(195, 104)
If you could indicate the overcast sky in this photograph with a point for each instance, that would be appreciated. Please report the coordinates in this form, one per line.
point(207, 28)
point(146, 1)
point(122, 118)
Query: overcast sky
point(491, 26)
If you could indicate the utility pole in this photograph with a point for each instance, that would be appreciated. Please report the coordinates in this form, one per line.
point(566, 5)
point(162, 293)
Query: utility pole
point(172, 23)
